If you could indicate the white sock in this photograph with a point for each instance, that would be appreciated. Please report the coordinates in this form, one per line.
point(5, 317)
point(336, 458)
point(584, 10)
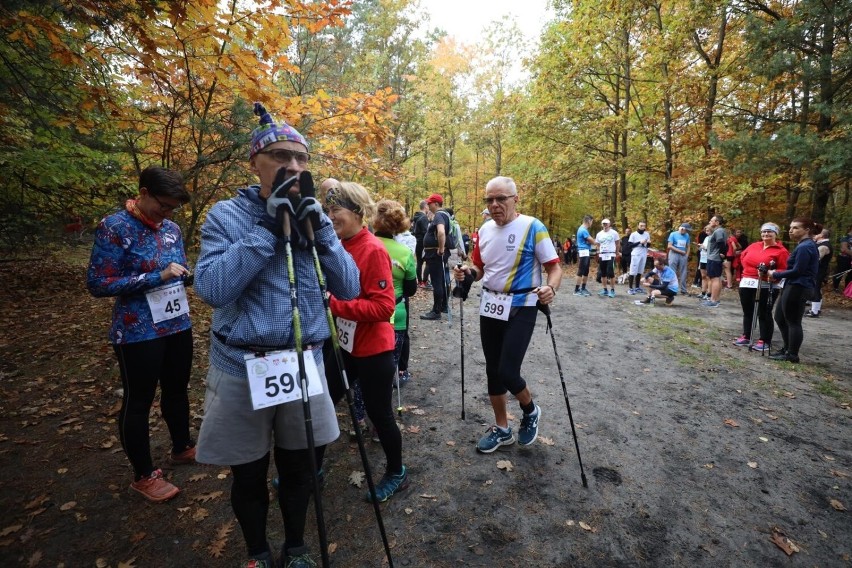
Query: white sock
point(815, 307)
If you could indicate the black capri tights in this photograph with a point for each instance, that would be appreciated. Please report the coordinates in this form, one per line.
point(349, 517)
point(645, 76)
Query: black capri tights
point(788, 316)
point(504, 344)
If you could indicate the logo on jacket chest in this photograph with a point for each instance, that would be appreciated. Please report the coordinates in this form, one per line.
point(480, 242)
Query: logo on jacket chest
point(383, 284)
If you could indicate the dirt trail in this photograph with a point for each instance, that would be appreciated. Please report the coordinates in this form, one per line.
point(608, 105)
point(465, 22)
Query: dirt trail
point(696, 452)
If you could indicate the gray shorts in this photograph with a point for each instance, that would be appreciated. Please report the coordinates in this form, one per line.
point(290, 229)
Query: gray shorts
point(232, 433)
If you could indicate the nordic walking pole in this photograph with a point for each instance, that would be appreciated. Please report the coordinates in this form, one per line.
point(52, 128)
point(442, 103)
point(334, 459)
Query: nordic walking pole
point(284, 218)
point(758, 296)
point(444, 270)
point(306, 186)
point(460, 294)
point(545, 309)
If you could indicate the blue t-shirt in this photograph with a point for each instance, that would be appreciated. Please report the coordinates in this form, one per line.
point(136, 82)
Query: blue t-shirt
point(582, 235)
point(678, 241)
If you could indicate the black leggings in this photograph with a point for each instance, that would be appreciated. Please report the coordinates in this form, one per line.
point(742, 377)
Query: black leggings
point(764, 312)
point(250, 496)
point(167, 361)
point(418, 254)
point(375, 375)
point(437, 273)
point(504, 344)
point(788, 316)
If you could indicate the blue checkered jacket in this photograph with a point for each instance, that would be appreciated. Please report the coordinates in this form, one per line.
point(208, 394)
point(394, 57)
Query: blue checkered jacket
point(242, 273)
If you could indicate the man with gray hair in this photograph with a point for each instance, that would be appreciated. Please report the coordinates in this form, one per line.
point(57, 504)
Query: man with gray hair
point(509, 258)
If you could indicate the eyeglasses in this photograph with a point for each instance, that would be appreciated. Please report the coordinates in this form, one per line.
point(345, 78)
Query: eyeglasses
point(497, 199)
point(165, 208)
point(283, 156)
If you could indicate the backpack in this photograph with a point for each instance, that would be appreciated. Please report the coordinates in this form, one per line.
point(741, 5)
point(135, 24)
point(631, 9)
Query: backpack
point(452, 240)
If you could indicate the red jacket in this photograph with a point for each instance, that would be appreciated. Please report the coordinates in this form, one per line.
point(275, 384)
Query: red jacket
point(754, 254)
point(373, 309)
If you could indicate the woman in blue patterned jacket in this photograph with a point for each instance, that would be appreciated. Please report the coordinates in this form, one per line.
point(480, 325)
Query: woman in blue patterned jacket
point(138, 258)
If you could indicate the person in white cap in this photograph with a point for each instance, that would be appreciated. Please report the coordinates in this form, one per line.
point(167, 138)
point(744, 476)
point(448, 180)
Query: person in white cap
point(608, 252)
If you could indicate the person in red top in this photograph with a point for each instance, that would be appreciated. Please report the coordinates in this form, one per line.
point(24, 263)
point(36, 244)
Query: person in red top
point(764, 252)
point(364, 327)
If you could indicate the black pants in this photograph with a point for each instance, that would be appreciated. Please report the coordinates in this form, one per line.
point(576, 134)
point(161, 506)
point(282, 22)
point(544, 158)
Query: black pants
point(788, 316)
point(504, 344)
point(375, 375)
point(764, 312)
point(250, 496)
point(418, 254)
point(436, 265)
point(166, 361)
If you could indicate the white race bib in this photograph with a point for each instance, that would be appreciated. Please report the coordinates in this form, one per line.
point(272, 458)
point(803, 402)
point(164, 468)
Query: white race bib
point(748, 283)
point(274, 378)
point(167, 302)
point(606, 256)
point(583, 253)
point(780, 284)
point(496, 306)
point(346, 333)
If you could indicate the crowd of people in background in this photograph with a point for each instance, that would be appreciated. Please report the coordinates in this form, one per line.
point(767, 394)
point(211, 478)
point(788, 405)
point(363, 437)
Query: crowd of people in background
point(284, 267)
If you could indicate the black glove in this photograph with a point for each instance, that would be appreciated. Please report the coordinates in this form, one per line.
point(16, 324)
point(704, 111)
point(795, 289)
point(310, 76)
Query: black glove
point(308, 209)
point(462, 288)
point(278, 203)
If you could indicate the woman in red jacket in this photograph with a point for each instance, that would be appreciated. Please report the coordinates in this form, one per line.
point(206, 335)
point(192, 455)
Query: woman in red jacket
point(364, 326)
point(765, 252)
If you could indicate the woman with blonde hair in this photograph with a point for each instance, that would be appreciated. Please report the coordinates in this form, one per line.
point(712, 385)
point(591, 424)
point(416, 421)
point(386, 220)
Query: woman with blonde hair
point(364, 326)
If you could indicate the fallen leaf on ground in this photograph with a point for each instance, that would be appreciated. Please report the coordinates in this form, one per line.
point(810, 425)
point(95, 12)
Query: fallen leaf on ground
point(752, 465)
point(709, 465)
point(450, 443)
point(68, 506)
point(200, 514)
point(10, 529)
point(35, 558)
point(408, 510)
point(414, 429)
point(765, 409)
point(772, 416)
point(505, 464)
point(546, 441)
point(418, 411)
point(587, 527)
point(137, 537)
point(763, 439)
point(789, 395)
point(198, 477)
point(784, 543)
point(128, 564)
point(356, 478)
point(36, 502)
point(62, 470)
point(101, 563)
point(204, 497)
point(828, 458)
point(433, 390)
point(488, 482)
point(570, 523)
point(732, 423)
point(332, 547)
point(837, 505)
point(427, 496)
point(217, 547)
point(834, 472)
